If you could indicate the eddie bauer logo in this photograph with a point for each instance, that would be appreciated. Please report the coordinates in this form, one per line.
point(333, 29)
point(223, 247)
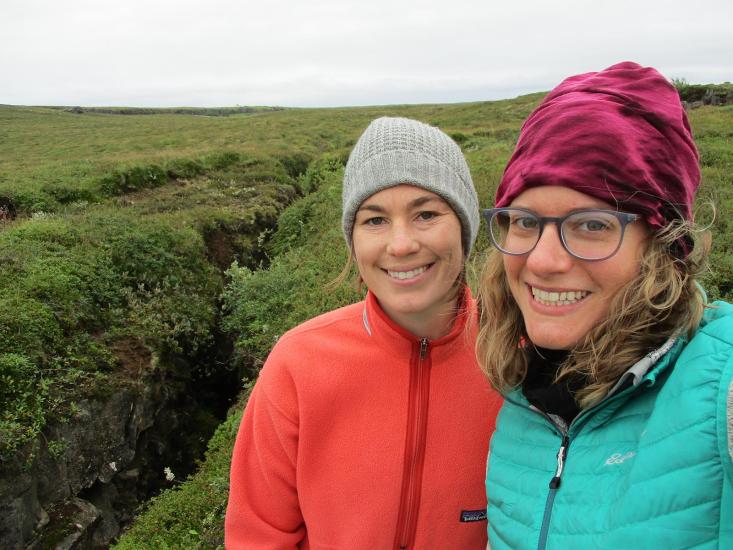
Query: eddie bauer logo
point(618, 458)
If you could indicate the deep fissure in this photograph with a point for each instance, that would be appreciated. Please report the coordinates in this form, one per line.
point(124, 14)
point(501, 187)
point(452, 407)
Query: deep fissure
point(88, 476)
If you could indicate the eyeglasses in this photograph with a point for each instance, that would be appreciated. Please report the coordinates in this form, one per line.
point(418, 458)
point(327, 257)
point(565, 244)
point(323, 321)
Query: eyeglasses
point(591, 234)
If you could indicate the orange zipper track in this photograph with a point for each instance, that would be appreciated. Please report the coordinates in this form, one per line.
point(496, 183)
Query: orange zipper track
point(417, 422)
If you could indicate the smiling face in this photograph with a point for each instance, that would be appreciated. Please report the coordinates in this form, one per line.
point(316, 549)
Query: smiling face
point(407, 243)
point(561, 297)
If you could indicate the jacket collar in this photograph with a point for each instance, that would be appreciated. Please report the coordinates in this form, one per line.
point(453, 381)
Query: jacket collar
point(377, 324)
point(648, 368)
point(652, 365)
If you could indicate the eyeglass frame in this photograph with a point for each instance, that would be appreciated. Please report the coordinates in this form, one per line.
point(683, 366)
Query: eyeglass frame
point(624, 218)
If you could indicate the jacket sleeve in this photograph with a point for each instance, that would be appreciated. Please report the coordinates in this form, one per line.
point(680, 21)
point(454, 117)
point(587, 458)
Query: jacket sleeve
point(263, 511)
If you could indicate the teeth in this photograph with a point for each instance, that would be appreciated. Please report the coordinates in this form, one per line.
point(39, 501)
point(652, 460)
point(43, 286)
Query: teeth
point(407, 274)
point(558, 298)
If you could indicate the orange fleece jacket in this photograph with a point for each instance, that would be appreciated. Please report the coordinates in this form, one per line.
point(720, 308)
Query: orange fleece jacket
point(355, 437)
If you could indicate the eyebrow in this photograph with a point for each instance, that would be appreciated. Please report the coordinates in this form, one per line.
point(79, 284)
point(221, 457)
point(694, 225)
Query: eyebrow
point(416, 203)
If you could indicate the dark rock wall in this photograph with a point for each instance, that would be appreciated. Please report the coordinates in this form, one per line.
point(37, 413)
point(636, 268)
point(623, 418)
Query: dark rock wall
point(83, 487)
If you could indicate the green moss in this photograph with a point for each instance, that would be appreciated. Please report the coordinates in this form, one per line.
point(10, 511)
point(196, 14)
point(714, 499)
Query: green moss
point(27, 326)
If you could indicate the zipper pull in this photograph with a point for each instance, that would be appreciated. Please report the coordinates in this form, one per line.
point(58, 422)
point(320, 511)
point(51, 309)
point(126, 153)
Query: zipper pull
point(561, 454)
point(423, 347)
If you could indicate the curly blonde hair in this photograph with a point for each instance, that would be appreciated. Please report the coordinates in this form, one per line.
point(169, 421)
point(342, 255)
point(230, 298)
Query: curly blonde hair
point(663, 300)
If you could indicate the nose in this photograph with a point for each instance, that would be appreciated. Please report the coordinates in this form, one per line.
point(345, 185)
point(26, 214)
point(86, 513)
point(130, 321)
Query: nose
point(549, 255)
point(402, 241)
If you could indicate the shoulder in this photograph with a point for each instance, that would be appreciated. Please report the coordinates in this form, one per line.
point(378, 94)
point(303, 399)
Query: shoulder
point(718, 322)
point(314, 342)
point(703, 367)
point(713, 340)
point(335, 322)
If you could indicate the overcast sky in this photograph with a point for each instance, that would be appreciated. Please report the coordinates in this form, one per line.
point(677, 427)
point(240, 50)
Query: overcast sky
point(313, 53)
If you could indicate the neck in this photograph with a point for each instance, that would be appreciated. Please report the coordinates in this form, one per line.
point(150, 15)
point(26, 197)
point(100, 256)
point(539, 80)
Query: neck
point(432, 324)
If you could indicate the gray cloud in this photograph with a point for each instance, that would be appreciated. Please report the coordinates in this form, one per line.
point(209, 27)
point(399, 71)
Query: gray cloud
point(329, 52)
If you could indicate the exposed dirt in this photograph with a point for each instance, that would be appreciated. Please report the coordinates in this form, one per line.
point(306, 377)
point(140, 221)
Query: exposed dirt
point(132, 356)
point(221, 248)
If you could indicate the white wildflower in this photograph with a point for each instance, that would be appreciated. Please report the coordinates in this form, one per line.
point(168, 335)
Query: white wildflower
point(169, 475)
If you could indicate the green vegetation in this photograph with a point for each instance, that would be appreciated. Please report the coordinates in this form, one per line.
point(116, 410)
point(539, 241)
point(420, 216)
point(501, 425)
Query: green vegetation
point(145, 268)
point(705, 93)
point(52, 159)
point(128, 226)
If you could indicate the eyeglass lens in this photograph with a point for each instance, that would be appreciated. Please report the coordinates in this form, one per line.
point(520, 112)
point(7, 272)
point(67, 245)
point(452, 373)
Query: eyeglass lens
point(586, 234)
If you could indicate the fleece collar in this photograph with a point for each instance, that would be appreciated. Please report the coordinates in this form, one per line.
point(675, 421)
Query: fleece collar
point(377, 324)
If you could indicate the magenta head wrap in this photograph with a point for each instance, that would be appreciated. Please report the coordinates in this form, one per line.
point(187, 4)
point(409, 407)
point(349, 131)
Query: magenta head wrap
point(620, 135)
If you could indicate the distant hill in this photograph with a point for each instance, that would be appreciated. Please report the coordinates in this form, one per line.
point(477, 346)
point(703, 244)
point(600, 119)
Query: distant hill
point(201, 111)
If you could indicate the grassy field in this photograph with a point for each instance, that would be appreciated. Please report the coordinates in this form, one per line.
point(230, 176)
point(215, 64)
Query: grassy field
point(52, 158)
point(126, 227)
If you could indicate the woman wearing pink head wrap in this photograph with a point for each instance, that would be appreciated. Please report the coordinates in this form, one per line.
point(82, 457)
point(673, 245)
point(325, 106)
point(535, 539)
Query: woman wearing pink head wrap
point(617, 428)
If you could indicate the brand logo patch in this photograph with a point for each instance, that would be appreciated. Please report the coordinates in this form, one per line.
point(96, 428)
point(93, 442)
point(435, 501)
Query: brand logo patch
point(618, 458)
point(468, 516)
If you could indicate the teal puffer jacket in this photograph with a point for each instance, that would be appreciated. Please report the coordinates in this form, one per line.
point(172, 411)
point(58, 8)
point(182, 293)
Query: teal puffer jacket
point(651, 466)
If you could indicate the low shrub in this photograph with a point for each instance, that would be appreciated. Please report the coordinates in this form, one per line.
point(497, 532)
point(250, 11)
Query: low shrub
point(221, 160)
point(459, 137)
point(261, 305)
point(184, 168)
point(320, 170)
point(22, 399)
point(28, 327)
point(132, 178)
point(295, 164)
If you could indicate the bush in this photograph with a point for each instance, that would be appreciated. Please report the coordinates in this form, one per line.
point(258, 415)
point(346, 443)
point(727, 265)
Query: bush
point(26, 199)
point(65, 194)
point(221, 160)
point(28, 326)
point(459, 137)
point(172, 317)
point(703, 92)
point(133, 178)
point(261, 305)
point(184, 168)
point(22, 397)
point(319, 171)
point(295, 164)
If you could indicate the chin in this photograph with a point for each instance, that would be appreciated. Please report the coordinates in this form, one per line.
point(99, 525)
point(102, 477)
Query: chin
point(552, 340)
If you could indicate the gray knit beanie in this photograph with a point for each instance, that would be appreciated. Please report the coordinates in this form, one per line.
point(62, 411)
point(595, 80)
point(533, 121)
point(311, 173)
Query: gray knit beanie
point(392, 151)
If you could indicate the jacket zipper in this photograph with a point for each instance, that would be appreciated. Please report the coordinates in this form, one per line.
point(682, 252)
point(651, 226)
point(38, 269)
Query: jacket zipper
point(415, 449)
point(563, 451)
point(562, 454)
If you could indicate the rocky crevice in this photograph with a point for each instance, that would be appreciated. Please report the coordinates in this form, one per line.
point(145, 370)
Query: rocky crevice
point(82, 480)
point(80, 483)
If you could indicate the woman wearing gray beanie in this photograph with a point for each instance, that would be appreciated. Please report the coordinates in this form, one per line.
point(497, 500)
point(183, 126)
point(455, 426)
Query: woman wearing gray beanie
point(368, 426)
